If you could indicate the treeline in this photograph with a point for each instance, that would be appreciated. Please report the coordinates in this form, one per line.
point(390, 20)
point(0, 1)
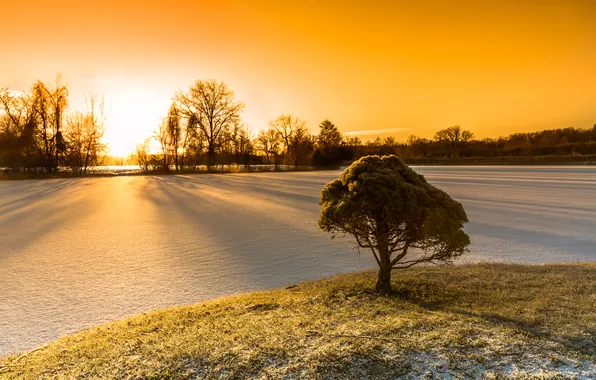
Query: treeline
point(204, 128)
point(38, 134)
point(455, 142)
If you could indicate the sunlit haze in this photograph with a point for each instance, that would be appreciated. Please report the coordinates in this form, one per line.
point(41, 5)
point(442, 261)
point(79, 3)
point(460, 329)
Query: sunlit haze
point(390, 67)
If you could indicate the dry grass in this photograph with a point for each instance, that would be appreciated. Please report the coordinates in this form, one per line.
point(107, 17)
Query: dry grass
point(485, 320)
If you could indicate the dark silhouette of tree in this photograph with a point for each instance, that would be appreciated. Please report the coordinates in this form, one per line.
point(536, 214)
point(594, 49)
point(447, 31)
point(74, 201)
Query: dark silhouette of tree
point(419, 146)
point(329, 146)
point(82, 137)
point(329, 136)
point(32, 127)
point(286, 125)
point(453, 137)
point(196, 145)
point(59, 102)
point(49, 105)
point(17, 131)
point(393, 211)
point(163, 137)
point(268, 142)
point(390, 141)
point(352, 141)
point(302, 147)
point(210, 105)
point(244, 146)
point(143, 156)
point(376, 143)
point(175, 139)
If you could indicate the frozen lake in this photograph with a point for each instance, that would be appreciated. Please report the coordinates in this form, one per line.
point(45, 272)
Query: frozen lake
point(76, 253)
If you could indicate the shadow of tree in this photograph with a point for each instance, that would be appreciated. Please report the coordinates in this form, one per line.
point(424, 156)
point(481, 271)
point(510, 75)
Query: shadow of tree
point(437, 297)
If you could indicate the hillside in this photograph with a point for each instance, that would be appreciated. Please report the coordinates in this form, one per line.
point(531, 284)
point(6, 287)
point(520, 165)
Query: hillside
point(474, 320)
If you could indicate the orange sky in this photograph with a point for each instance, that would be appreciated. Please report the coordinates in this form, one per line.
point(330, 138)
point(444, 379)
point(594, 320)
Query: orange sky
point(410, 67)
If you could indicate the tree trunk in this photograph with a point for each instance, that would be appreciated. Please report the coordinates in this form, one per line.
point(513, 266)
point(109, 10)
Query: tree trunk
point(210, 157)
point(384, 279)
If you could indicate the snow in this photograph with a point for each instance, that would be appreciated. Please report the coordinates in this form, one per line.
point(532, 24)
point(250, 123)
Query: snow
point(532, 364)
point(76, 253)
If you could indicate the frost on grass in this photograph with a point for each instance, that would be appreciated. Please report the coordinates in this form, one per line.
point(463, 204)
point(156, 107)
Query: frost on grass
point(475, 321)
point(497, 360)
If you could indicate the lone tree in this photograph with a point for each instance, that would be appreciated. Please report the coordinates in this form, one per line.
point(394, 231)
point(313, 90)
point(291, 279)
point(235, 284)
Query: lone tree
point(390, 209)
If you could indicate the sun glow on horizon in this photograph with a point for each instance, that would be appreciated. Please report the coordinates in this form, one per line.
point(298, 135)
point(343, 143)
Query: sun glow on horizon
point(133, 113)
point(493, 67)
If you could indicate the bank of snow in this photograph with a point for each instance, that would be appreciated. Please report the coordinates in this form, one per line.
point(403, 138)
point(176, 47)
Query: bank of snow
point(485, 320)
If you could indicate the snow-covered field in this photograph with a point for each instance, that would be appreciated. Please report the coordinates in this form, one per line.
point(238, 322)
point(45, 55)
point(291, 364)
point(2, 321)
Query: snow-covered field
point(75, 253)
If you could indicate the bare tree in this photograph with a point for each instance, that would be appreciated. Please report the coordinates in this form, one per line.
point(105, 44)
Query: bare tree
point(143, 155)
point(59, 102)
point(175, 136)
point(211, 107)
point(82, 137)
point(268, 142)
point(163, 137)
point(49, 105)
point(390, 141)
point(418, 145)
point(286, 125)
point(352, 141)
point(17, 134)
point(196, 144)
point(243, 146)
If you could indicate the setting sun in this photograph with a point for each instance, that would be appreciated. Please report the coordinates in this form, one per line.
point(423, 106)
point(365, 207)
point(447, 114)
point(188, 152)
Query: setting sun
point(492, 67)
point(134, 110)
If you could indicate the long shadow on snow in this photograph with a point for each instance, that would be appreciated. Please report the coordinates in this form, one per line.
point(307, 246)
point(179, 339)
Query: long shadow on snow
point(262, 192)
point(578, 246)
point(579, 183)
point(173, 189)
point(256, 256)
point(438, 298)
point(36, 196)
point(40, 221)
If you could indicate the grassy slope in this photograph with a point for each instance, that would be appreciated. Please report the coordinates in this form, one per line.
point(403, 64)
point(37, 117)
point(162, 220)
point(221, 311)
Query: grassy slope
point(489, 319)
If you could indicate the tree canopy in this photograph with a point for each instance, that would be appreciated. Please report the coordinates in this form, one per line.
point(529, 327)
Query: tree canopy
point(286, 126)
point(210, 107)
point(329, 136)
point(454, 137)
point(393, 211)
point(38, 134)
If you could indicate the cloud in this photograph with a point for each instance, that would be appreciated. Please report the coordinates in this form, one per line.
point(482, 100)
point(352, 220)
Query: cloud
point(377, 131)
